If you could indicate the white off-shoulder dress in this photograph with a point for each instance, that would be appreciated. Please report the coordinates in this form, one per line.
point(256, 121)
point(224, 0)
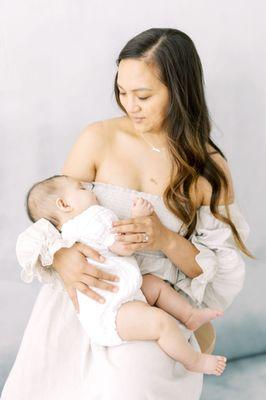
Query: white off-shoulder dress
point(56, 360)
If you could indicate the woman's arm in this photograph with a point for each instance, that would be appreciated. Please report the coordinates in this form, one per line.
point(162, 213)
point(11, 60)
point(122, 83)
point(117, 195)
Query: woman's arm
point(179, 250)
point(71, 264)
point(40, 248)
point(182, 252)
point(83, 158)
point(184, 258)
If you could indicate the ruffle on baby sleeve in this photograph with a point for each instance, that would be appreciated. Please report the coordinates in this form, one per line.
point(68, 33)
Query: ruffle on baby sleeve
point(35, 249)
point(219, 258)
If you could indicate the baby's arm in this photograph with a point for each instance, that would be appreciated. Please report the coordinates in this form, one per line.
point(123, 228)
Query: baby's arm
point(161, 294)
point(140, 208)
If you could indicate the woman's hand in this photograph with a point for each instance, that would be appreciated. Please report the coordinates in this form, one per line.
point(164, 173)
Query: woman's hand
point(77, 273)
point(132, 233)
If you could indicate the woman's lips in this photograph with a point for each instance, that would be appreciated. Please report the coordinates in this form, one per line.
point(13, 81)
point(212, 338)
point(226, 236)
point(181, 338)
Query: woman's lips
point(137, 119)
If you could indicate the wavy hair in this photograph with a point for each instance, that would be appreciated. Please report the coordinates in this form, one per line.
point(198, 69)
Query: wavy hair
point(187, 124)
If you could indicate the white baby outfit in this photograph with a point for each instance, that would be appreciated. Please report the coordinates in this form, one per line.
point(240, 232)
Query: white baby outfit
point(92, 227)
point(56, 359)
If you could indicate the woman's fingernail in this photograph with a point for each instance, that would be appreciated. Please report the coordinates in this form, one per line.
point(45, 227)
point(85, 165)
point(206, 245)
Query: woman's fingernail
point(102, 301)
point(117, 279)
point(102, 258)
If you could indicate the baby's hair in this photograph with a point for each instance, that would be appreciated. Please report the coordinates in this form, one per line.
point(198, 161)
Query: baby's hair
point(41, 199)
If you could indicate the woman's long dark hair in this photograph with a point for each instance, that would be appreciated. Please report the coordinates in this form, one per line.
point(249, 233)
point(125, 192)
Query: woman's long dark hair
point(187, 123)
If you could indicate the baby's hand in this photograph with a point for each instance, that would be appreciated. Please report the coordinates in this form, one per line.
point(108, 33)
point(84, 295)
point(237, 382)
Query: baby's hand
point(119, 249)
point(141, 207)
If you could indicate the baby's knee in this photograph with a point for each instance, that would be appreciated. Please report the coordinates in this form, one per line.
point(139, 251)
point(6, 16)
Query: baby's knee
point(151, 287)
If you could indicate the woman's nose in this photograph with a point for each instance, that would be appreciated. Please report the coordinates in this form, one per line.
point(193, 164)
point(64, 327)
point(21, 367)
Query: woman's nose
point(132, 106)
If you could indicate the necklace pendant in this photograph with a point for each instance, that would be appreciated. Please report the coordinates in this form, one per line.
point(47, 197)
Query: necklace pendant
point(155, 149)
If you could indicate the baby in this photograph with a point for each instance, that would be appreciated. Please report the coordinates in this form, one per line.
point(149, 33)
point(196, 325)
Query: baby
point(125, 315)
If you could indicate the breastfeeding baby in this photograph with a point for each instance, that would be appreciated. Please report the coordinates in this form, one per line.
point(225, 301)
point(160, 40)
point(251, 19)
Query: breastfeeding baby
point(125, 315)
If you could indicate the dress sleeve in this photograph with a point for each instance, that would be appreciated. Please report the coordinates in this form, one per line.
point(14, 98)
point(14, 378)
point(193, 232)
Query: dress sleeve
point(219, 258)
point(35, 249)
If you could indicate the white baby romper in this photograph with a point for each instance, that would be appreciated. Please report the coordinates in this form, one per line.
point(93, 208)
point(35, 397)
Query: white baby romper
point(92, 227)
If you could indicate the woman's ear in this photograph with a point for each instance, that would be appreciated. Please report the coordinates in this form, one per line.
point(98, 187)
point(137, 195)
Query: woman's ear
point(62, 205)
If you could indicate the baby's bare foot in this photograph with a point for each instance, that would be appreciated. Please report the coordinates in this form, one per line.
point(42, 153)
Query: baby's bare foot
point(208, 364)
point(201, 316)
point(141, 207)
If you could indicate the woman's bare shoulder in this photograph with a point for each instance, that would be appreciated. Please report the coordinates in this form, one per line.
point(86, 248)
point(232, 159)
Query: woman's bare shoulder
point(89, 147)
point(100, 131)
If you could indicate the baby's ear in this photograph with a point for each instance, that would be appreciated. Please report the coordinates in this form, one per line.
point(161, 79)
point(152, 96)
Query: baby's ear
point(62, 205)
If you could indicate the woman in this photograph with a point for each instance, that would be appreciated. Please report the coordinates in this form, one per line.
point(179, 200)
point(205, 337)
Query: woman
point(161, 149)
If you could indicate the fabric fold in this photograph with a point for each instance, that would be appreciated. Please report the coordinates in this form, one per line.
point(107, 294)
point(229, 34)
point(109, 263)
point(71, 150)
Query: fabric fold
point(223, 269)
point(35, 249)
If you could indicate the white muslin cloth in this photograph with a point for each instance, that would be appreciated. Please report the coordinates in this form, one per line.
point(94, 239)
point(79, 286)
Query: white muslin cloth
point(56, 359)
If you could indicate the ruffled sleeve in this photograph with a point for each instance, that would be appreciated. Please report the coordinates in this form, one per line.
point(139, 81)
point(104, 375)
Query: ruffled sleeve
point(219, 258)
point(35, 249)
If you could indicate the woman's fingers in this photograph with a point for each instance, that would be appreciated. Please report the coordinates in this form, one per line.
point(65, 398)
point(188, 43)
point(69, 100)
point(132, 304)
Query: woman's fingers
point(130, 228)
point(92, 271)
point(90, 252)
point(73, 297)
point(133, 238)
point(90, 281)
point(132, 247)
point(89, 292)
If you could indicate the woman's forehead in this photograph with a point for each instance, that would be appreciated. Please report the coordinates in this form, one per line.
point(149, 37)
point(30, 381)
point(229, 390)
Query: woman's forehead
point(136, 74)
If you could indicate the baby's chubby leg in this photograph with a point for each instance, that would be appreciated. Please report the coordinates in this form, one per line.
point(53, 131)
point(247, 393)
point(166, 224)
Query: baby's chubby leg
point(137, 320)
point(161, 294)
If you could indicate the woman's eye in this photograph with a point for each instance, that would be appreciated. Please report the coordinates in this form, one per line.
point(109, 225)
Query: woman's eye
point(121, 94)
point(143, 98)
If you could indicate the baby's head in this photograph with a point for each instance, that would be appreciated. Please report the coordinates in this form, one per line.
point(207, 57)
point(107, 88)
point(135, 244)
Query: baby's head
point(58, 199)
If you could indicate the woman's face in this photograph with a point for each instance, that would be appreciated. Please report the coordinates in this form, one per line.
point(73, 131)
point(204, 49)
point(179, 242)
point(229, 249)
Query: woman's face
point(142, 94)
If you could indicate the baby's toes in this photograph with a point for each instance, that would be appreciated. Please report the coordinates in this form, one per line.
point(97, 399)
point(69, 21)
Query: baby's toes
point(138, 202)
point(219, 370)
point(221, 364)
point(222, 360)
point(146, 202)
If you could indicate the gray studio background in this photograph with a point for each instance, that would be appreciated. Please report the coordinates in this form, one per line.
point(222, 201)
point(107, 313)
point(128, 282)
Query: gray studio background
point(57, 66)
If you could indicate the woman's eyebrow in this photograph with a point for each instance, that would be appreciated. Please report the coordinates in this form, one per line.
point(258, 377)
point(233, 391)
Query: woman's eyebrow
point(135, 90)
